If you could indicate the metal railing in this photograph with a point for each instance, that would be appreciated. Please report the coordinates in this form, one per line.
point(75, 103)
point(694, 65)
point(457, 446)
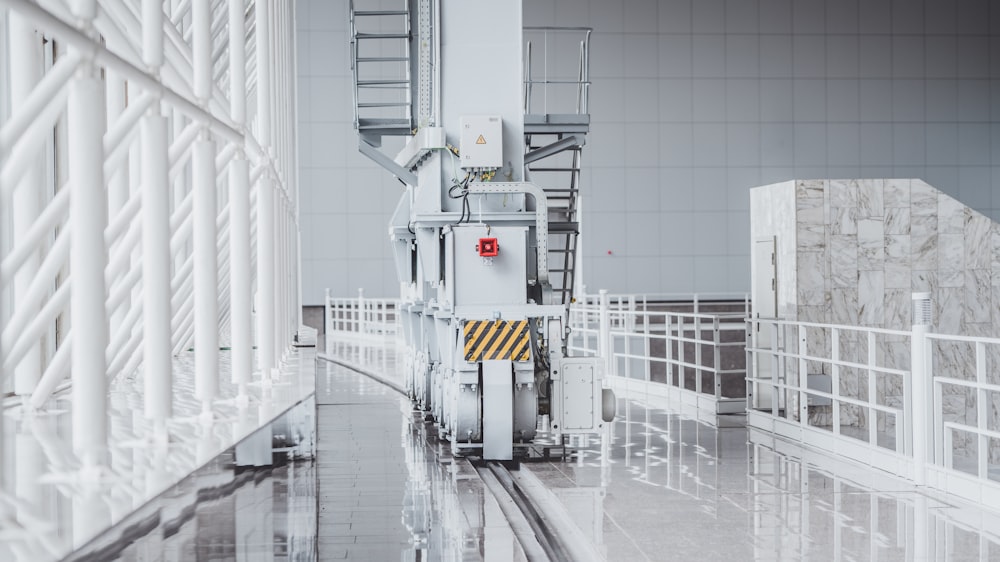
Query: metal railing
point(915, 404)
point(149, 169)
point(700, 355)
point(362, 317)
point(556, 42)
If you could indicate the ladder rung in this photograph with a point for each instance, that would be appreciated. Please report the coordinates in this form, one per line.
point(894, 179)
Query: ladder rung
point(384, 104)
point(381, 13)
point(553, 169)
point(383, 82)
point(383, 59)
point(382, 36)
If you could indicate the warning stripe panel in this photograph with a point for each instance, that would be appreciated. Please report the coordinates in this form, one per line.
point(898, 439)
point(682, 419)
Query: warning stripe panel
point(497, 340)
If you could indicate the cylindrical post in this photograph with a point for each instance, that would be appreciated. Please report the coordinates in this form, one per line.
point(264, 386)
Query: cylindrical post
point(604, 337)
point(157, 361)
point(201, 43)
point(206, 273)
point(88, 258)
point(25, 72)
point(237, 62)
point(920, 382)
point(261, 10)
point(265, 276)
point(118, 180)
point(239, 272)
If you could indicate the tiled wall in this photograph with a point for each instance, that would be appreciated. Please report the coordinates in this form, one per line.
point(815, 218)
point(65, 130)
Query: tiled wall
point(693, 103)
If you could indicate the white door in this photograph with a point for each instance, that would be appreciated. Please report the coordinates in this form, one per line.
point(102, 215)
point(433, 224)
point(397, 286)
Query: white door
point(764, 304)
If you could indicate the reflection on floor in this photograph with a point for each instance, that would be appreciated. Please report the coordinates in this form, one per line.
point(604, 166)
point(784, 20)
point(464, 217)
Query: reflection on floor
point(656, 485)
point(54, 511)
point(387, 490)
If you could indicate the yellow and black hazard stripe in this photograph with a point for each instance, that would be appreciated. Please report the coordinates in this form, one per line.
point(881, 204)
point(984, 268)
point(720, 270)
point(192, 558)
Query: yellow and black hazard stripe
point(497, 340)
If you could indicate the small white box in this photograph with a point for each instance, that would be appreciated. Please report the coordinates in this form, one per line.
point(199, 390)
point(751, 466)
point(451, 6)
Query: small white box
point(481, 143)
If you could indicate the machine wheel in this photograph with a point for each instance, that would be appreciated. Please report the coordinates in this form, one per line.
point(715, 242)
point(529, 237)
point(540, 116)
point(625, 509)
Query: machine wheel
point(608, 404)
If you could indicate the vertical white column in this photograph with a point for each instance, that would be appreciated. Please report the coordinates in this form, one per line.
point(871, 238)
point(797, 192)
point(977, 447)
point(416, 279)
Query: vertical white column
point(157, 345)
point(25, 72)
point(239, 208)
point(266, 198)
point(157, 364)
point(265, 275)
point(88, 259)
point(206, 273)
point(921, 382)
point(118, 182)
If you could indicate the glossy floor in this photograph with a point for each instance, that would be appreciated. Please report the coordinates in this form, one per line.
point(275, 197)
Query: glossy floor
point(659, 485)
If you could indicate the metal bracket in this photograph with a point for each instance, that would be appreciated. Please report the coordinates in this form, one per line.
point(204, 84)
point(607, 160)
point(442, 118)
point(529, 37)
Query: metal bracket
point(568, 143)
point(541, 216)
point(383, 160)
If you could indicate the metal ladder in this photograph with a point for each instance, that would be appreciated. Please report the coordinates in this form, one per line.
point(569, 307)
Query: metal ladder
point(380, 62)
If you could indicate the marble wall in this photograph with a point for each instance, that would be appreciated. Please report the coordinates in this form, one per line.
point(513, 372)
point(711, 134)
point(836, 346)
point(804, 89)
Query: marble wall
point(861, 248)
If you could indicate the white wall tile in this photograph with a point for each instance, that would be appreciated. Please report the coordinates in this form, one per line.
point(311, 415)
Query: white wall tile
point(776, 56)
point(676, 101)
point(908, 100)
point(973, 145)
point(709, 55)
point(809, 56)
point(742, 55)
point(642, 190)
point(942, 144)
point(641, 100)
point(775, 16)
point(743, 144)
point(842, 16)
point(941, 17)
point(973, 100)
point(843, 100)
point(907, 16)
point(709, 99)
point(742, 100)
point(642, 234)
point(875, 54)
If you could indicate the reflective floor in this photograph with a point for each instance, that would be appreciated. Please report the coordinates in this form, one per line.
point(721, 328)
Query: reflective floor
point(53, 510)
point(659, 485)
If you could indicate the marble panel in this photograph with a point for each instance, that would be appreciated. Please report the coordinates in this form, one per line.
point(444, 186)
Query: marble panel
point(871, 289)
point(949, 305)
point(897, 220)
point(811, 230)
point(897, 262)
point(809, 189)
point(923, 199)
point(951, 215)
point(923, 280)
point(871, 244)
point(995, 252)
point(870, 198)
point(844, 305)
point(843, 193)
point(978, 240)
point(896, 194)
point(812, 279)
point(923, 225)
point(924, 252)
point(844, 261)
point(844, 220)
point(978, 295)
point(951, 255)
point(897, 309)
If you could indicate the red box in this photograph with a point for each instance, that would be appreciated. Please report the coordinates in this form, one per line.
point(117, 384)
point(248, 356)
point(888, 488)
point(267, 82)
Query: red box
point(488, 247)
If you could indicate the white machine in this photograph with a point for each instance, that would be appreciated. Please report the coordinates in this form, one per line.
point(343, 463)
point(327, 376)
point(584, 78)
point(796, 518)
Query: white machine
point(472, 239)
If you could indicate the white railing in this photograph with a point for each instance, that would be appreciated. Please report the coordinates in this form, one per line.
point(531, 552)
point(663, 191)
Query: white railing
point(698, 356)
point(918, 405)
point(362, 316)
point(148, 167)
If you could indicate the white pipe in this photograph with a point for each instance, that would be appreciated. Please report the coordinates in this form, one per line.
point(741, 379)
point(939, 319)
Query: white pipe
point(201, 46)
point(25, 73)
point(206, 300)
point(118, 129)
point(265, 276)
point(262, 13)
point(30, 300)
point(23, 341)
point(53, 215)
point(54, 373)
point(123, 219)
point(240, 273)
point(27, 147)
point(124, 287)
point(88, 217)
point(237, 63)
point(49, 91)
point(152, 33)
point(158, 368)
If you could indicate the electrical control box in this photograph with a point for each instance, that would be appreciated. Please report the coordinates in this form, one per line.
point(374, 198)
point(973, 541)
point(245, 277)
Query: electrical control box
point(481, 143)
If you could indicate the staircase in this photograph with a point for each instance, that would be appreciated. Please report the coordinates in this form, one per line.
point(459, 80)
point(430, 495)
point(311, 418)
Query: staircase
point(380, 61)
point(554, 136)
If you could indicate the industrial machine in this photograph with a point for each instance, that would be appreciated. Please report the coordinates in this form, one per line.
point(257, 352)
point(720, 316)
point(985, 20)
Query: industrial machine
point(486, 259)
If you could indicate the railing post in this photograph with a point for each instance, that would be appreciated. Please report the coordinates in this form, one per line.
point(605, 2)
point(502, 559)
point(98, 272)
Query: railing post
point(327, 313)
point(921, 380)
point(361, 311)
point(604, 334)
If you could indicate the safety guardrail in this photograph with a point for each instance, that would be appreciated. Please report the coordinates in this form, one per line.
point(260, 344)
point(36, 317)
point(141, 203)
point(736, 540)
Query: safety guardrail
point(915, 404)
point(362, 317)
